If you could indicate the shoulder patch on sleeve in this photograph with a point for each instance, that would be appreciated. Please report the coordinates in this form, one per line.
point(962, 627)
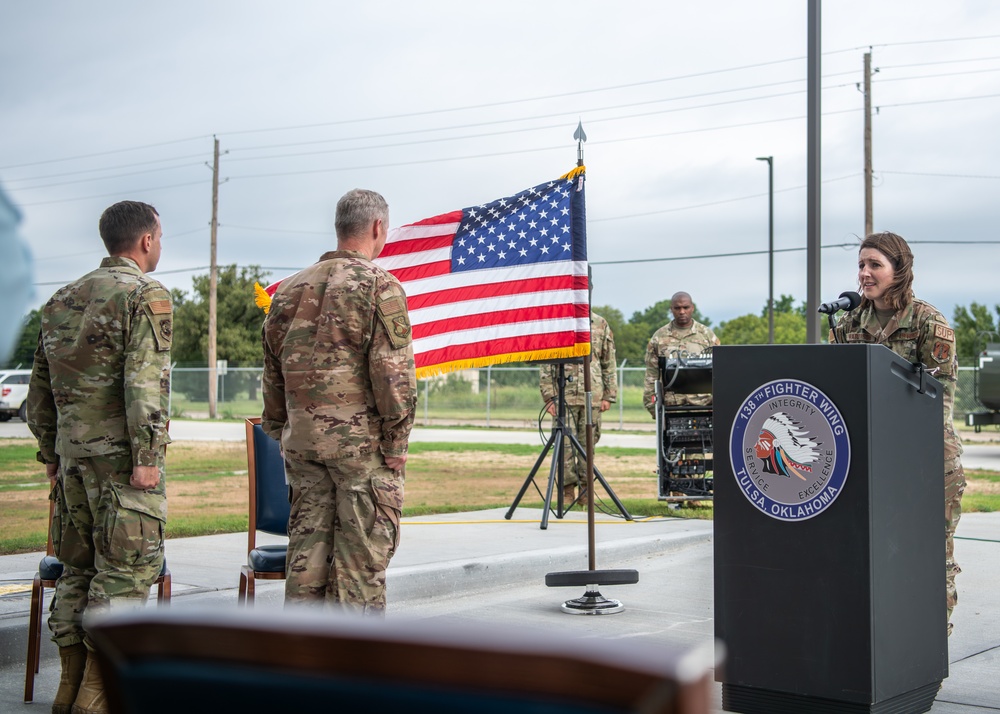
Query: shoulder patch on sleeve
point(941, 351)
point(159, 309)
point(391, 310)
point(945, 333)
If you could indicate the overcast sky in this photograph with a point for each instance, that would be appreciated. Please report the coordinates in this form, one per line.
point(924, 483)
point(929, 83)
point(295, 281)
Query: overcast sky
point(441, 105)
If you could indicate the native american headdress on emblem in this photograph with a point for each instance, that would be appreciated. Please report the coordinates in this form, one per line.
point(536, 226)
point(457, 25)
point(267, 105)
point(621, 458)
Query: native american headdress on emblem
point(785, 448)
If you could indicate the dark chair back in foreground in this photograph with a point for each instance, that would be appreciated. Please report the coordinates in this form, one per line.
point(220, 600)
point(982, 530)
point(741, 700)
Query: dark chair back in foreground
point(221, 660)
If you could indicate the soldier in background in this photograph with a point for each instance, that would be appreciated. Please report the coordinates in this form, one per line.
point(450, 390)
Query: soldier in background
point(98, 406)
point(683, 336)
point(339, 393)
point(604, 391)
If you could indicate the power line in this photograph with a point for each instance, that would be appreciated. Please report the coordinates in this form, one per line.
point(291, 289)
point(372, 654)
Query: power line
point(511, 131)
point(706, 256)
point(937, 175)
point(777, 250)
point(276, 230)
point(39, 259)
point(104, 153)
point(108, 168)
point(711, 203)
point(116, 194)
point(104, 178)
point(927, 64)
point(494, 104)
point(489, 105)
point(928, 42)
point(559, 114)
point(935, 101)
point(883, 80)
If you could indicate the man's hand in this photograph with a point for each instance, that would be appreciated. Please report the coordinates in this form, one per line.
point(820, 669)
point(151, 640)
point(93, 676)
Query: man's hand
point(395, 462)
point(551, 408)
point(52, 471)
point(605, 405)
point(145, 477)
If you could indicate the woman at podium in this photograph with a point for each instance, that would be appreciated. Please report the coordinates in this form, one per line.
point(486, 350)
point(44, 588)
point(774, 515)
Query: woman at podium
point(915, 330)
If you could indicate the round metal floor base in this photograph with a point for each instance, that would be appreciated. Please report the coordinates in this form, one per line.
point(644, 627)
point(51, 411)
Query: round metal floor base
point(592, 603)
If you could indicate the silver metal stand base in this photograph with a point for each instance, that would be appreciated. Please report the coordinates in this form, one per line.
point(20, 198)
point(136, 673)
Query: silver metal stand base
point(592, 603)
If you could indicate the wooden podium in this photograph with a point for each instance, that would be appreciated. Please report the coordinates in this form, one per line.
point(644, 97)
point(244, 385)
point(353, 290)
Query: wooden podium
point(829, 530)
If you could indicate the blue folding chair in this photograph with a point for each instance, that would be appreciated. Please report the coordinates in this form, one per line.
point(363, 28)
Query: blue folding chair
point(269, 509)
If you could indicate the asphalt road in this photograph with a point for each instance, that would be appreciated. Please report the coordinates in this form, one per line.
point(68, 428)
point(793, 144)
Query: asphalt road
point(980, 455)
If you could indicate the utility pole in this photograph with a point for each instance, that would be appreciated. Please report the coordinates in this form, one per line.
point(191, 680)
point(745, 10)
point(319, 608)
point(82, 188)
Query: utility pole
point(213, 283)
point(868, 142)
point(813, 175)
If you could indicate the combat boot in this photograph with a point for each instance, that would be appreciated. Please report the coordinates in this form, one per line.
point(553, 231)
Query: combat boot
point(91, 698)
point(72, 658)
point(583, 497)
point(567, 496)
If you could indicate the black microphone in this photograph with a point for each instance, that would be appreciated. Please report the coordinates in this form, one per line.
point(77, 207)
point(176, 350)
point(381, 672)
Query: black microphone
point(847, 301)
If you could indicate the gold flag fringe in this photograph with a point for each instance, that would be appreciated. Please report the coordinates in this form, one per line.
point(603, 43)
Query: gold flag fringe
point(559, 353)
point(261, 298)
point(574, 172)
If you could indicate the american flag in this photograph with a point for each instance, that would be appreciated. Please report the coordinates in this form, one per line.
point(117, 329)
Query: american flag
point(504, 281)
point(500, 282)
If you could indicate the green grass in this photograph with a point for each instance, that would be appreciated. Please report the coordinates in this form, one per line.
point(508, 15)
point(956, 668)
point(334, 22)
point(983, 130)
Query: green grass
point(187, 526)
point(206, 471)
point(980, 503)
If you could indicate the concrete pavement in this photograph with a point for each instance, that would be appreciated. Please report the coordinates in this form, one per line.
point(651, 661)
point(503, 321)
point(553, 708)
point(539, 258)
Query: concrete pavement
point(479, 567)
point(473, 567)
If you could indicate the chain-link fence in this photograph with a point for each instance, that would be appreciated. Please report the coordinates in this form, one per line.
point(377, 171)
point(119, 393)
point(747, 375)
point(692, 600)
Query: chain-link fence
point(491, 396)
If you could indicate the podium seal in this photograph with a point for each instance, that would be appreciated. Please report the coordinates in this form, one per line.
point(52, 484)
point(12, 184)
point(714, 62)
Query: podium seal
point(790, 450)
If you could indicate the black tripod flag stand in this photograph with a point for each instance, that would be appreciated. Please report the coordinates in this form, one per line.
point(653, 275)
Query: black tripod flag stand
point(592, 602)
point(561, 438)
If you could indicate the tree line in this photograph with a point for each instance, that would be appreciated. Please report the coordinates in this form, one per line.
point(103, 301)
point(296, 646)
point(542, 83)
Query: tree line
point(239, 324)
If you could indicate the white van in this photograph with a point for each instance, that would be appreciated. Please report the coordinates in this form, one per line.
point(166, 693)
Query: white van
point(14, 393)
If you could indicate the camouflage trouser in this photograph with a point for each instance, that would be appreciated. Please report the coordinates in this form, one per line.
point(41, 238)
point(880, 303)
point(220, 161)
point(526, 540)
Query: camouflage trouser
point(672, 399)
point(109, 538)
point(574, 463)
point(954, 487)
point(342, 531)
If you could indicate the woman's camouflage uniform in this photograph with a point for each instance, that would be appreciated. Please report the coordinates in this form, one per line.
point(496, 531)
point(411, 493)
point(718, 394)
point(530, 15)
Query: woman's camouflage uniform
point(920, 333)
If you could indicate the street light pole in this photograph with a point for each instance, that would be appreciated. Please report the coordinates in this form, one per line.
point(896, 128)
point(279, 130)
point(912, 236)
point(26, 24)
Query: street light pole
point(770, 247)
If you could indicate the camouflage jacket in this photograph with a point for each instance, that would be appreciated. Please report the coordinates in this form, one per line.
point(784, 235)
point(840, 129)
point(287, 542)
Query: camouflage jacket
point(338, 361)
point(101, 378)
point(668, 341)
point(603, 375)
point(917, 333)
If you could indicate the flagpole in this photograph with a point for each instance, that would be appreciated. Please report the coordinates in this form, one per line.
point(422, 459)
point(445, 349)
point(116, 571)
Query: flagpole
point(588, 390)
point(592, 602)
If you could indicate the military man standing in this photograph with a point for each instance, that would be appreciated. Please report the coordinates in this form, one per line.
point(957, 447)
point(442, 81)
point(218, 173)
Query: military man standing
point(604, 391)
point(681, 337)
point(98, 406)
point(340, 393)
